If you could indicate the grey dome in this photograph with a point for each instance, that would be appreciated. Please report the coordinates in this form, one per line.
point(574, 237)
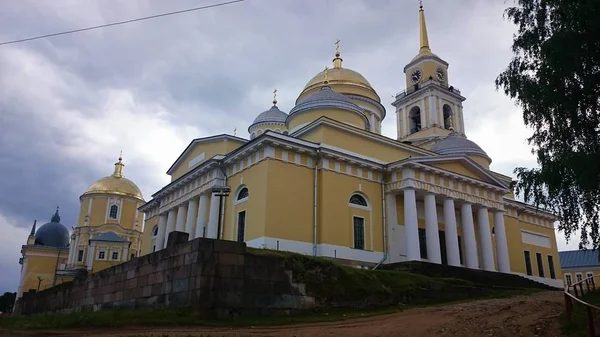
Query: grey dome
point(53, 233)
point(273, 115)
point(456, 144)
point(327, 98)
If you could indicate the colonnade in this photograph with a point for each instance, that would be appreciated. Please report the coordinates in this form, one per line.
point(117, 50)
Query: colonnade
point(198, 217)
point(434, 253)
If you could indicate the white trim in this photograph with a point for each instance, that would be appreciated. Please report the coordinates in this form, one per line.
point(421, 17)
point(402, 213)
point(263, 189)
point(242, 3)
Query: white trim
point(202, 140)
point(327, 250)
point(535, 239)
point(98, 255)
point(237, 193)
point(112, 253)
point(557, 283)
point(568, 279)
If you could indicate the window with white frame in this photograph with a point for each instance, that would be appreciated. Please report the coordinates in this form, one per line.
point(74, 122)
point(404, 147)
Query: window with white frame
point(358, 200)
point(101, 255)
point(242, 195)
point(568, 279)
point(115, 255)
point(578, 277)
point(154, 231)
point(358, 224)
point(589, 274)
point(114, 212)
point(80, 255)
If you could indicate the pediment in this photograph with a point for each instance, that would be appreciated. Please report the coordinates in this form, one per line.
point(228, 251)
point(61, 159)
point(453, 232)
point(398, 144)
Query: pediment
point(463, 166)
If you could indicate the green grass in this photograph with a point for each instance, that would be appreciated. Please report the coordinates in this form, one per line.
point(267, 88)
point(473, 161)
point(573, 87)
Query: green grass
point(577, 327)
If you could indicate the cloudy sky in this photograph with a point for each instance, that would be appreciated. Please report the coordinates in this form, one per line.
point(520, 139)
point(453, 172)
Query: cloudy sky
point(69, 104)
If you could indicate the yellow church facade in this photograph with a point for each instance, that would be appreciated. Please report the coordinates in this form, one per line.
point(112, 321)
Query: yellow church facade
point(322, 180)
point(108, 232)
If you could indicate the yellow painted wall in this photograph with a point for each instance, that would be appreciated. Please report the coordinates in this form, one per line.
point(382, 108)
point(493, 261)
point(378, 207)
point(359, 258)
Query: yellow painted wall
point(458, 168)
point(335, 214)
point(147, 241)
point(574, 271)
point(290, 201)
point(429, 132)
point(481, 161)
point(83, 211)
point(427, 68)
point(339, 115)
point(42, 266)
point(361, 145)
point(108, 248)
point(255, 178)
point(516, 247)
point(98, 212)
point(210, 149)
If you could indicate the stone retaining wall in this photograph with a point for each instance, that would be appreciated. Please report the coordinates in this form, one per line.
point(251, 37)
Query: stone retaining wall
point(215, 277)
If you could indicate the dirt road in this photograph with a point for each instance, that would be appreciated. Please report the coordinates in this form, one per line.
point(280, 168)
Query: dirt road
point(535, 315)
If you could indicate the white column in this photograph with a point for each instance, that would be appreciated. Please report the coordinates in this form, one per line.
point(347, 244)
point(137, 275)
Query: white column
point(406, 126)
point(440, 111)
point(125, 256)
point(432, 111)
point(411, 225)
point(399, 123)
point(466, 213)
point(201, 219)
point(451, 233)
point(485, 236)
point(213, 217)
point(181, 214)
point(431, 230)
point(170, 225)
point(391, 218)
point(91, 256)
point(71, 251)
point(501, 244)
point(162, 232)
point(423, 114)
point(192, 215)
point(76, 248)
point(22, 278)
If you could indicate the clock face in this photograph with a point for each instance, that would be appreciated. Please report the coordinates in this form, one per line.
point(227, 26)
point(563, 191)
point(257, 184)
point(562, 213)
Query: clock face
point(416, 76)
point(439, 73)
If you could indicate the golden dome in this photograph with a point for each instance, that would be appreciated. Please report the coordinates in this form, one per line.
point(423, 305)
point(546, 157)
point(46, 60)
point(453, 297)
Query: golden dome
point(340, 76)
point(115, 184)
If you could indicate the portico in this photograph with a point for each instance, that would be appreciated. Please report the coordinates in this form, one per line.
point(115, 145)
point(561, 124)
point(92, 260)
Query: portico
point(447, 213)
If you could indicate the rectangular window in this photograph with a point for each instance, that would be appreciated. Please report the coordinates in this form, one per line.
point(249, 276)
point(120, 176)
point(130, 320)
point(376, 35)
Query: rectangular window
point(241, 230)
point(578, 277)
point(540, 264)
point(460, 252)
point(115, 255)
point(551, 267)
point(528, 263)
point(442, 236)
point(589, 275)
point(80, 255)
point(423, 243)
point(359, 233)
point(132, 256)
point(568, 279)
point(101, 255)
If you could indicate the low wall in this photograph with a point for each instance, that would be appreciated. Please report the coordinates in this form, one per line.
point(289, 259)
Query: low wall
point(215, 277)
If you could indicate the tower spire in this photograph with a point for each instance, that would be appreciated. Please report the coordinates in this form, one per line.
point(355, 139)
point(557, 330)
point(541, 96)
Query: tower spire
point(337, 61)
point(55, 217)
point(119, 167)
point(33, 228)
point(423, 30)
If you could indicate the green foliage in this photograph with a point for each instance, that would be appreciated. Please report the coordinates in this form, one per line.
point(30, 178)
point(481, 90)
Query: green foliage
point(577, 327)
point(554, 77)
point(7, 300)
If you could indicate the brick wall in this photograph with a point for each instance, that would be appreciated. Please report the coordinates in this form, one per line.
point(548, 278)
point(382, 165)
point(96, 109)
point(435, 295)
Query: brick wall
point(217, 278)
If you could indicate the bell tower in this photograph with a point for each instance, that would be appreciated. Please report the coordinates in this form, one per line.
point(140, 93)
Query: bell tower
point(430, 108)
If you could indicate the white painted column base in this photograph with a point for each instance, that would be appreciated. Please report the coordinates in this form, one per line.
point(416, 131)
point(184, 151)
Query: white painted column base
point(431, 230)
point(413, 252)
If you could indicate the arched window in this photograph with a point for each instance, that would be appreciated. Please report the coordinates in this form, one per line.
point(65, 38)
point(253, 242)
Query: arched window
point(415, 119)
point(242, 194)
point(285, 132)
point(448, 122)
point(114, 211)
point(155, 231)
point(359, 200)
point(277, 130)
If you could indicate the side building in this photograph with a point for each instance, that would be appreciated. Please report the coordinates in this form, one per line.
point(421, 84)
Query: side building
point(108, 232)
point(323, 180)
point(578, 265)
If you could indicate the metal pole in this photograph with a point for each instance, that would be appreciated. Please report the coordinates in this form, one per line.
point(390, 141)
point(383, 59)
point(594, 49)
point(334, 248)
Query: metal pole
point(590, 318)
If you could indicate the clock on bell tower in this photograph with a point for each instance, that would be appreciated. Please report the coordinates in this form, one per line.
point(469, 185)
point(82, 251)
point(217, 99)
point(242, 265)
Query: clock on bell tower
point(429, 108)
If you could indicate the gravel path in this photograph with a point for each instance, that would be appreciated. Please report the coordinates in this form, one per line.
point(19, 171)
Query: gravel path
point(535, 315)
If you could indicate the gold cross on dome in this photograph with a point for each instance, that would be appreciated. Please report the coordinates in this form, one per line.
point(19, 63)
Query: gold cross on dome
point(234, 131)
point(421, 3)
point(337, 45)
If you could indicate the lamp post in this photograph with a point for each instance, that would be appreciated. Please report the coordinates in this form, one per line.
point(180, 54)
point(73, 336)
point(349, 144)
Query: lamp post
point(221, 191)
